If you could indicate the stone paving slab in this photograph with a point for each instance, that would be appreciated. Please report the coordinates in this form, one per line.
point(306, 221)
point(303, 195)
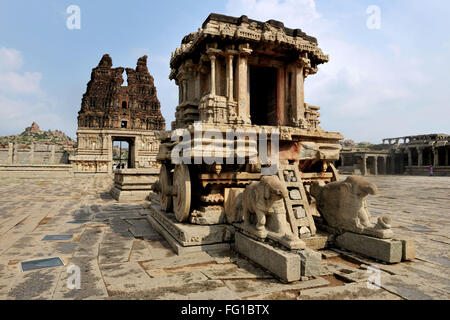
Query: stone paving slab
point(120, 257)
point(91, 282)
point(36, 285)
point(353, 291)
point(250, 288)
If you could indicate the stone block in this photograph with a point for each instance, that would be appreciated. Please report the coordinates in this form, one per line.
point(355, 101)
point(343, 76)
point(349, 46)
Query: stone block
point(283, 264)
point(387, 250)
point(316, 242)
point(180, 249)
point(191, 235)
point(129, 195)
point(230, 200)
point(311, 263)
point(408, 248)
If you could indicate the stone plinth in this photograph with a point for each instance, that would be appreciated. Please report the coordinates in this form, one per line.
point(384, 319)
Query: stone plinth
point(133, 184)
point(386, 250)
point(284, 264)
point(185, 237)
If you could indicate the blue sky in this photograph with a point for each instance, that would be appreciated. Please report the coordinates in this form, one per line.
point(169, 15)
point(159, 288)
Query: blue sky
point(386, 82)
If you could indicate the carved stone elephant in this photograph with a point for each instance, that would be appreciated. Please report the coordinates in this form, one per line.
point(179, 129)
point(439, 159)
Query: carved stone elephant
point(343, 204)
point(262, 206)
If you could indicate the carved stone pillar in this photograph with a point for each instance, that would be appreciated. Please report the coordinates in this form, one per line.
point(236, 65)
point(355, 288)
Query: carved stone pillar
point(436, 157)
point(375, 165)
point(180, 92)
point(110, 154)
point(185, 91)
point(385, 165)
point(15, 154)
point(299, 93)
point(197, 84)
point(242, 79)
point(419, 157)
point(230, 83)
point(212, 84)
point(410, 157)
point(364, 165)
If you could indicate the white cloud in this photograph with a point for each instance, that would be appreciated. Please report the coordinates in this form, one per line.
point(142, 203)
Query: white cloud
point(291, 12)
point(10, 59)
point(22, 99)
point(16, 83)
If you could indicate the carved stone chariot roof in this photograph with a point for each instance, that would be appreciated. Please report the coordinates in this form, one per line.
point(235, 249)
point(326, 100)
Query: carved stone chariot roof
point(244, 30)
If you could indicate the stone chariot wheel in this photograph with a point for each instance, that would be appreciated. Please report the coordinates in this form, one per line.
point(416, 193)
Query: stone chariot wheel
point(165, 180)
point(182, 192)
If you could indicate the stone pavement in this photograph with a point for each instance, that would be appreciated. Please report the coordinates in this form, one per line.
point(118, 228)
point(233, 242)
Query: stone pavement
point(121, 257)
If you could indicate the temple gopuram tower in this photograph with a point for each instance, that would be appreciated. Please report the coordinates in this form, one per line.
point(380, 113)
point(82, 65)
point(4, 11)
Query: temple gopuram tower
point(111, 112)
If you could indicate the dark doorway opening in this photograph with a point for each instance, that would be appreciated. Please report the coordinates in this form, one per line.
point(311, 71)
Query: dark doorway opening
point(263, 95)
point(123, 125)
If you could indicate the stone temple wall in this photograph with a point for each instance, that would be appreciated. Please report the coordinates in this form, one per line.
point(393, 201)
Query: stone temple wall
point(34, 154)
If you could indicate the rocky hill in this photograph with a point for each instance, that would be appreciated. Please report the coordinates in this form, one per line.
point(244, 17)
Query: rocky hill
point(34, 134)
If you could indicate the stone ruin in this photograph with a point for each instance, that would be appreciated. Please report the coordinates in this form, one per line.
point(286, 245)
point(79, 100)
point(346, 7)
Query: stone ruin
point(111, 112)
point(411, 155)
point(248, 76)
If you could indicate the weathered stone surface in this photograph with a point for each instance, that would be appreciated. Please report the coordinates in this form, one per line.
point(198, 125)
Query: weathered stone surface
point(343, 206)
point(35, 285)
point(114, 249)
point(410, 201)
point(387, 250)
point(234, 272)
point(89, 243)
point(408, 248)
point(407, 287)
point(124, 277)
point(283, 264)
point(311, 262)
point(188, 235)
point(254, 289)
point(295, 194)
point(319, 241)
point(204, 290)
point(91, 282)
point(180, 249)
point(353, 291)
point(231, 195)
point(179, 261)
